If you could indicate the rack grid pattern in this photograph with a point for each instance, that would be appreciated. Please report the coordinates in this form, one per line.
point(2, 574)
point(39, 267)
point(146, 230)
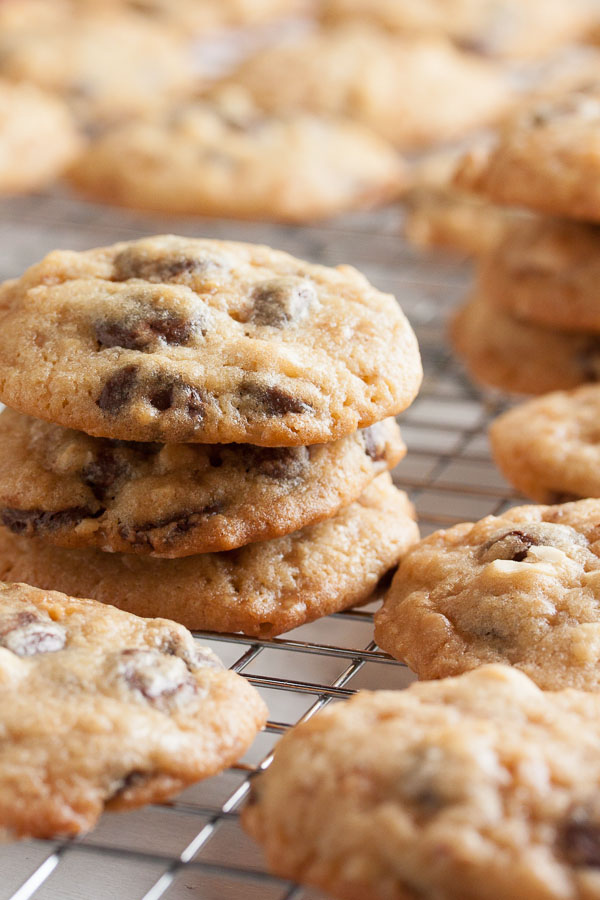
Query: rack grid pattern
point(194, 846)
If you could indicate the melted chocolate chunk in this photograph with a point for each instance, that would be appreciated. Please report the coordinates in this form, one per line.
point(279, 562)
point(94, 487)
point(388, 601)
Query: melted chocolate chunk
point(514, 545)
point(173, 393)
point(579, 841)
point(133, 779)
point(154, 675)
point(145, 330)
point(27, 634)
point(137, 535)
point(272, 401)
point(373, 448)
point(103, 472)
point(38, 521)
point(133, 263)
point(118, 390)
point(279, 463)
point(282, 301)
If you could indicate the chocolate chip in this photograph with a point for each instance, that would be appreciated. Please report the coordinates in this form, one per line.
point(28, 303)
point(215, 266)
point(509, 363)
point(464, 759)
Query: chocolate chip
point(138, 535)
point(579, 840)
point(173, 393)
point(134, 263)
point(145, 330)
point(118, 390)
point(272, 401)
point(103, 472)
point(195, 657)
point(282, 301)
point(279, 463)
point(513, 545)
point(374, 446)
point(38, 521)
point(157, 677)
point(27, 634)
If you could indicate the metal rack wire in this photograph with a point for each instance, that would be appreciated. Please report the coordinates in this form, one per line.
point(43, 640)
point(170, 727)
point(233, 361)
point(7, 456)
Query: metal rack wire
point(194, 846)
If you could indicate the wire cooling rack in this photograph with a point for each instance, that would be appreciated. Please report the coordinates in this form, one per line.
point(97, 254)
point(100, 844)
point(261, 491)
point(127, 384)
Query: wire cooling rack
point(194, 847)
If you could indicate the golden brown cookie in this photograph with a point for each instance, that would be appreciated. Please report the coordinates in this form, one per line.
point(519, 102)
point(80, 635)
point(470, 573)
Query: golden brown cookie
point(521, 588)
point(475, 787)
point(175, 500)
point(179, 340)
point(103, 710)
point(262, 589)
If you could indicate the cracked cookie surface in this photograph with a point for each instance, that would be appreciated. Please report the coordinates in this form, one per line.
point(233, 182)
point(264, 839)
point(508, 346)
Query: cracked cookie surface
point(180, 340)
point(481, 787)
point(176, 499)
point(102, 710)
point(261, 589)
point(521, 588)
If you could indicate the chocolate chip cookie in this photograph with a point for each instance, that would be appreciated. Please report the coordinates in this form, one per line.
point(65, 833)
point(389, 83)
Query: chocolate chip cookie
point(102, 710)
point(506, 28)
point(521, 588)
point(176, 499)
point(38, 138)
point(546, 272)
point(549, 448)
point(363, 73)
point(106, 65)
point(179, 340)
point(512, 355)
point(546, 157)
point(225, 158)
point(261, 589)
point(475, 787)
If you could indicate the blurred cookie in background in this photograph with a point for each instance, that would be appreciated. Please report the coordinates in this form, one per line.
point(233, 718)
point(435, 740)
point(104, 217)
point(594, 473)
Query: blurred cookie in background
point(414, 92)
point(505, 28)
point(224, 157)
point(38, 138)
point(106, 66)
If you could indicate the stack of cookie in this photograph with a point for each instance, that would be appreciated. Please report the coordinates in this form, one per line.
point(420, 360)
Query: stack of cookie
point(202, 430)
point(533, 324)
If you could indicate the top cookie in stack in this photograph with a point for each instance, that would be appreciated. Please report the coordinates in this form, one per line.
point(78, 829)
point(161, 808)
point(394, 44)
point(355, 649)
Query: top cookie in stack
point(178, 398)
point(533, 325)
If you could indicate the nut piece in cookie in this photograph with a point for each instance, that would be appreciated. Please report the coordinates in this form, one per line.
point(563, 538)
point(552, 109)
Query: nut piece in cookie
point(436, 790)
point(522, 588)
point(102, 710)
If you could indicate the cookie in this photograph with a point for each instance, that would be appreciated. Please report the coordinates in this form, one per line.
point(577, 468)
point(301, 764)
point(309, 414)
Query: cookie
point(546, 157)
point(38, 138)
point(261, 589)
point(180, 340)
point(549, 448)
point(475, 787)
point(363, 73)
point(225, 158)
point(440, 215)
point(176, 499)
point(505, 28)
point(199, 17)
point(102, 710)
point(503, 352)
point(107, 66)
point(521, 588)
point(546, 272)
